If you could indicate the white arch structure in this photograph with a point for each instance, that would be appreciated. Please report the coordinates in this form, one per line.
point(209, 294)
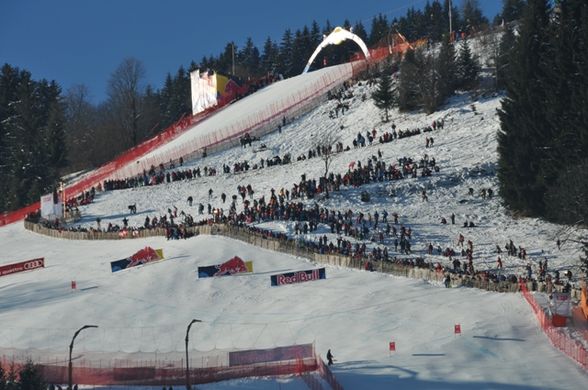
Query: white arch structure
point(337, 36)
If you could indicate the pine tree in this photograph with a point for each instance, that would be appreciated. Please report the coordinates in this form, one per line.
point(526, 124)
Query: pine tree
point(438, 26)
point(524, 131)
point(408, 85)
point(316, 37)
point(31, 378)
point(445, 66)
point(512, 10)
point(379, 29)
point(359, 30)
point(55, 139)
point(286, 59)
point(429, 85)
point(473, 19)
point(249, 59)
point(565, 158)
point(269, 57)
point(503, 59)
point(467, 66)
point(385, 97)
point(299, 50)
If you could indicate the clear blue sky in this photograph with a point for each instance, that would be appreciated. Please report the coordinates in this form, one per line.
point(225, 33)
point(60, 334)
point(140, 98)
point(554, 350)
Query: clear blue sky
point(83, 41)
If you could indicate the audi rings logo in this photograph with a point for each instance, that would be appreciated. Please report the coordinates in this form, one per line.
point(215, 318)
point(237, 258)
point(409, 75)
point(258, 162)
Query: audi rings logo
point(37, 263)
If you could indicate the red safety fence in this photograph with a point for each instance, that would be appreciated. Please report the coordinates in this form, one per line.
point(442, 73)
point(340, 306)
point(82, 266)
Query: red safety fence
point(165, 372)
point(98, 175)
point(149, 375)
point(561, 340)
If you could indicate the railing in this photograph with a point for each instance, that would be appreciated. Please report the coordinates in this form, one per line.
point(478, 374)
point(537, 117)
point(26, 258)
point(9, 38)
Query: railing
point(158, 373)
point(298, 248)
point(574, 349)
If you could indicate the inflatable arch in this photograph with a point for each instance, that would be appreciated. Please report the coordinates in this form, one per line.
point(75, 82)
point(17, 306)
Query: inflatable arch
point(338, 35)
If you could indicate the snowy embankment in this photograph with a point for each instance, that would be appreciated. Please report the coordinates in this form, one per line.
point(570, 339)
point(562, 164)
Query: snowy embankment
point(354, 313)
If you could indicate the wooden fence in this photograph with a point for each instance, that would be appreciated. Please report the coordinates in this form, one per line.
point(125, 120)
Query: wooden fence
point(298, 248)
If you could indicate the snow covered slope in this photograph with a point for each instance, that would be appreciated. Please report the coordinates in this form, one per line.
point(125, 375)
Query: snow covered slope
point(354, 313)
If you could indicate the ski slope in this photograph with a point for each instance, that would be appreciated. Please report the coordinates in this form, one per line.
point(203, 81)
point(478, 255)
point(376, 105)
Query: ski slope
point(268, 105)
point(354, 313)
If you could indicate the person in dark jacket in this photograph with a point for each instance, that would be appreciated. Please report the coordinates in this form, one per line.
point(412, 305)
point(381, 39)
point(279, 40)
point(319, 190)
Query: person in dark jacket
point(329, 357)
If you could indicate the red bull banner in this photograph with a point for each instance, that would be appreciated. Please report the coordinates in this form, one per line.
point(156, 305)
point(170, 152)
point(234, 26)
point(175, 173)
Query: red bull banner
point(254, 356)
point(22, 266)
point(298, 277)
point(144, 256)
point(234, 266)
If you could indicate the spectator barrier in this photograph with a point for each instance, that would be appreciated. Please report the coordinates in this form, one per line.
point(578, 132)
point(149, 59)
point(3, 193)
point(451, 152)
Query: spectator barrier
point(299, 248)
point(574, 349)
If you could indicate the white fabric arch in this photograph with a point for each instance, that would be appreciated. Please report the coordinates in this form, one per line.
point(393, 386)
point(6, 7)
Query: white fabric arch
point(337, 36)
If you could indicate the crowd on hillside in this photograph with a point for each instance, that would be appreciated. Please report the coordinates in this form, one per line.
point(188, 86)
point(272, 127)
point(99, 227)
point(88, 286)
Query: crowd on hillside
point(162, 174)
point(368, 237)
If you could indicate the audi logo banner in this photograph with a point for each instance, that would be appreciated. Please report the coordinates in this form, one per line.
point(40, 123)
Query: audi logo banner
point(22, 266)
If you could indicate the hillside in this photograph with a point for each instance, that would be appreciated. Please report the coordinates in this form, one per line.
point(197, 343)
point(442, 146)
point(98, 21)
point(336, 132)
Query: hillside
point(354, 313)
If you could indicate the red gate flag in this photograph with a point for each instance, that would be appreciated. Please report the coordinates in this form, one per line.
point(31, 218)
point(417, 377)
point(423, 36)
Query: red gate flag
point(457, 329)
point(392, 346)
point(73, 285)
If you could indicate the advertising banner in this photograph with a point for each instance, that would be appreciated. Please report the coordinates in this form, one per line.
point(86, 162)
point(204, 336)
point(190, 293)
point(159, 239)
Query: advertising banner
point(22, 266)
point(234, 266)
point(561, 303)
point(51, 206)
point(298, 277)
point(278, 354)
point(144, 256)
point(204, 91)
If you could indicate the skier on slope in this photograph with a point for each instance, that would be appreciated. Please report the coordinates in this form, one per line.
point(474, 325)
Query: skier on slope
point(329, 357)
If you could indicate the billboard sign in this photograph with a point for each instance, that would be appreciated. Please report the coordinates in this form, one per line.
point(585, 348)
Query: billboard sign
point(144, 256)
point(298, 277)
point(22, 266)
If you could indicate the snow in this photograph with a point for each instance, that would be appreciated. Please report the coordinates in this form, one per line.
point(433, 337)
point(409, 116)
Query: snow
point(355, 313)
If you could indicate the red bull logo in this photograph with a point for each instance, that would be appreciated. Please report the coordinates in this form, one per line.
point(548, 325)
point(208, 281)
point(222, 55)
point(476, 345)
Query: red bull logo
point(143, 256)
point(234, 266)
point(298, 277)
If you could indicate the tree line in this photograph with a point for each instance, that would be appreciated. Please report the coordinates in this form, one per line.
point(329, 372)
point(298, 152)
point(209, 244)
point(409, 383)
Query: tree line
point(543, 139)
point(28, 377)
point(427, 78)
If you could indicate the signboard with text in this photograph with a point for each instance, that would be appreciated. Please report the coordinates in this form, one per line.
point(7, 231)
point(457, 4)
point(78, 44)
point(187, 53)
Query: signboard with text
point(298, 277)
point(28, 265)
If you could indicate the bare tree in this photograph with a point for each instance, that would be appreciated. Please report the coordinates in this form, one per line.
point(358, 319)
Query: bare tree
point(80, 127)
point(125, 92)
point(327, 145)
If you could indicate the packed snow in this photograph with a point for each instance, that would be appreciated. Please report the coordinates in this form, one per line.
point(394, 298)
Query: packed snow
point(354, 313)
